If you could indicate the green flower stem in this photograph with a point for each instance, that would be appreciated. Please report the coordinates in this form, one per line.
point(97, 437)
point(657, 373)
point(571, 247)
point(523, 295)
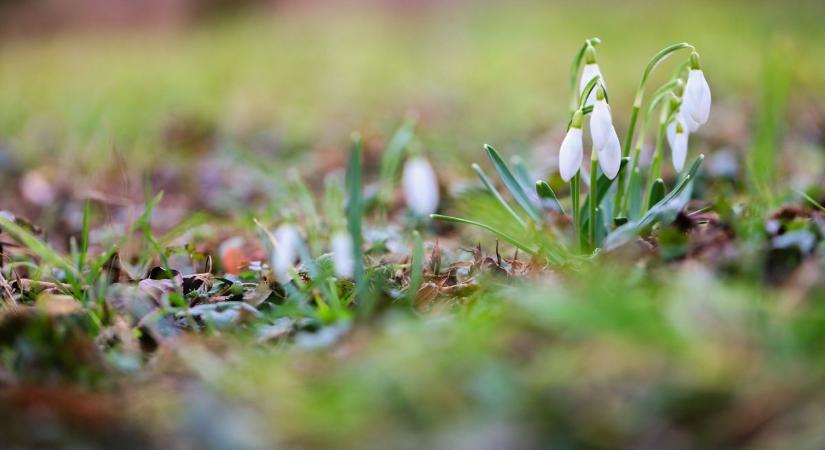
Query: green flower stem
point(591, 227)
point(655, 165)
point(637, 105)
point(655, 100)
point(575, 185)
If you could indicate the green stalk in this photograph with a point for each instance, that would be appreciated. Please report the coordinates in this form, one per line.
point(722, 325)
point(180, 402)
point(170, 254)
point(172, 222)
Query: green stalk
point(658, 96)
point(591, 228)
point(655, 100)
point(655, 164)
point(637, 105)
point(575, 185)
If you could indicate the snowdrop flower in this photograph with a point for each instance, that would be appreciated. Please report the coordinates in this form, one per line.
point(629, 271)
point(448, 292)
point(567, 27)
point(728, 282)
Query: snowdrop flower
point(601, 121)
point(570, 153)
point(687, 121)
point(591, 70)
point(342, 255)
point(420, 186)
point(288, 242)
point(605, 139)
point(677, 138)
point(696, 99)
point(610, 156)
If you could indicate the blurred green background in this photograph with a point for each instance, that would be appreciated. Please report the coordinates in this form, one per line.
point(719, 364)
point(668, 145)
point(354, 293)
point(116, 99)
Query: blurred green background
point(300, 77)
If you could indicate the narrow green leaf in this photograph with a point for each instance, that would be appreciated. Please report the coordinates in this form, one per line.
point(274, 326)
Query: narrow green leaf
point(393, 156)
point(416, 268)
point(84, 238)
point(544, 191)
point(512, 185)
point(634, 193)
point(602, 187)
point(657, 192)
point(521, 173)
point(810, 200)
point(38, 247)
point(663, 211)
point(497, 195)
point(515, 242)
point(355, 210)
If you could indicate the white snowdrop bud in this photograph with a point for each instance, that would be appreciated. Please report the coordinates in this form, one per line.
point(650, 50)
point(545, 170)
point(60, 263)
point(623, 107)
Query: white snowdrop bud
point(420, 186)
point(591, 70)
point(571, 151)
point(288, 241)
point(342, 255)
point(697, 98)
point(601, 122)
point(677, 138)
point(610, 156)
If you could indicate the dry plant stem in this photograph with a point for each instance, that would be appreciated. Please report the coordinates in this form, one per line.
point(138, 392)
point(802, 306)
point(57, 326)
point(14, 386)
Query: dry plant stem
point(7, 290)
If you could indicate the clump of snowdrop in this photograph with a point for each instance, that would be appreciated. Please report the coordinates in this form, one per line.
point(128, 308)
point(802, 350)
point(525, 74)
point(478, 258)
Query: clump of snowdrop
point(612, 213)
point(420, 186)
point(288, 242)
point(343, 259)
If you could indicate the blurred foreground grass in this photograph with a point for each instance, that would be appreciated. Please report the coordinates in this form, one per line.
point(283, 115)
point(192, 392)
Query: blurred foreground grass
point(297, 81)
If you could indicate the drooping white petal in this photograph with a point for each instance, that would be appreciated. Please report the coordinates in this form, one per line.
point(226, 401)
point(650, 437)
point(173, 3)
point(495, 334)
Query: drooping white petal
point(343, 260)
point(697, 97)
point(610, 156)
point(687, 121)
point(285, 253)
point(601, 124)
point(420, 186)
point(589, 72)
point(678, 141)
point(570, 154)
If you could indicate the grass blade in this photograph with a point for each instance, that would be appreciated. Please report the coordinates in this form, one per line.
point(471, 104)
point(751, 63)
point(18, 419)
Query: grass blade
point(634, 194)
point(512, 184)
point(657, 192)
point(497, 195)
point(84, 238)
point(504, 236)
point(38, 247)
point(545, 192)
point(392, 158)
point(810, 200)
point(416, 268)
point(355, 211)
point(602, 187)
